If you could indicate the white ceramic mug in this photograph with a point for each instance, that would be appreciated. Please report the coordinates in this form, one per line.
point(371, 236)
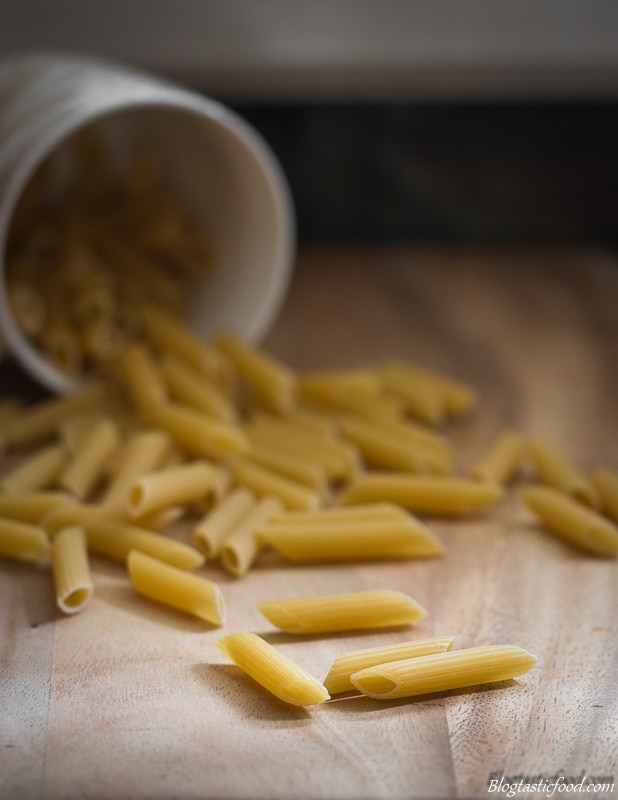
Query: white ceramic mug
point(215, 161)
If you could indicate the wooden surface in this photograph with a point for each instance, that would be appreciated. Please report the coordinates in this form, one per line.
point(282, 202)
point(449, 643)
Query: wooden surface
point(130, 700)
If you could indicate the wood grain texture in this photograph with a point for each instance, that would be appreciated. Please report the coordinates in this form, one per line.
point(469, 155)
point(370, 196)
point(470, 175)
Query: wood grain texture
point(130, 699)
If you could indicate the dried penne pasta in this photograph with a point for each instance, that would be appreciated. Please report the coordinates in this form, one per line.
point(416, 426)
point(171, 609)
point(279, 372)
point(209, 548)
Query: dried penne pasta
point(459, 397)
point(439, 496)
point(501, 460)
point(145, 451)
point(71, 570)
point(291, 465)
point(184, 591)
point(321, 386)
point(44, 420)
point(31, 506)
point(383, 448)
point(272, 670)
point(241, 546)
point(170, 335)
point(195, 389)
point(442, 672)
point(332, 514)
point(36, 472)
point(215, 526)
point(85, 468)
point(264, 482)
point(351, 540)
point(606, 483)
point(274, 383)
point(73, 513)
point(423, 400)
point(346, 664)
point(115, 538)
point(173, 485)
point(341, 612)
point(579, 524)
point(556, 470)
point(198, 433)
point(22, 540)
point(313, 421)
point(142, 378)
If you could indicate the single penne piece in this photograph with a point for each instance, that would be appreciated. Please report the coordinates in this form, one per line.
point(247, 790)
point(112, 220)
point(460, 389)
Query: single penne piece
point(170, 335)
point(553, 468)
point(31, 506)
point(422, 400)
point(274, 383)
point(73, 513)
point(459, 397)
point(194, 389)
point(417, 433)
point(71, 569)
point(115, 538)
point(201, 435)
point(342, 612)
point(212, 529)
point(43, 421)
point(320, 386)
point(263, 482)
point(346, 664)
point(381, 406)
point(142, 378)
point(145, 451)
point(241, 546)
point(579, 524)
point(606, 483)
point(22, 540)
point(290, 465)
point(184, 591)
point(351, 540)
point(36, 472)
point(438, 496)
point(272, 670)
point(368, 511)
point(383, 448)
point(183, 484)
point(501, 460)
point(443, 672)
point(86, 467)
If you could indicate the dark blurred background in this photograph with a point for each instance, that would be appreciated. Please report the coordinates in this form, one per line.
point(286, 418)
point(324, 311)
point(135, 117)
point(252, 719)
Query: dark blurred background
point(444, 121)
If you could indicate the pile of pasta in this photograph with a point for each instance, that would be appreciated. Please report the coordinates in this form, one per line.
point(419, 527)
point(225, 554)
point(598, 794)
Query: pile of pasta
point(175, 451)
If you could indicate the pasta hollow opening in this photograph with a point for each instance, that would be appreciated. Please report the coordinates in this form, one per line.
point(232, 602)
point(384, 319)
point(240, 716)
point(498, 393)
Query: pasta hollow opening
point(374, 684)
point(76, 598)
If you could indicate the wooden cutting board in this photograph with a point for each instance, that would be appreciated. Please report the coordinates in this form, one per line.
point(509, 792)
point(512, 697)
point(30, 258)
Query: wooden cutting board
point(130, 700)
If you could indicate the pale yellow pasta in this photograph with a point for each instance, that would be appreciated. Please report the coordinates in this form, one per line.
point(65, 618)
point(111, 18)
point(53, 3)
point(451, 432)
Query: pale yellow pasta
point(346, 664)
point(263, 481)
point(37, 471)
point(439, 496)
point(199, 434)
point(71, 569)
point(418, 433)
point(145, 451)
point(31, 506)
point(291, 465)
point(195, 389)
point(579, 524)
point(115, 538)
point(382, 406)
point(422, 399)
point(215, 526)
point(351, 539)
point(73, 513)
point(24, 541)
point(272, 670)
point(170, 335)
point(321, 386)
point(342, 612)
point(241, 546)
point(86, 467)
point(73, 431)
point(459, 397)
point(183, 591)
point(606, 483)
point(499, 463)
point(142, 378)
point(314, 421)
point(160, 519)
point(381, 447)
point(274, 383)
point(27, 306)
point(331, 514)
point(173, 485)
point(44, 420)
point(443, 672)
point(553, 468)
point(339, 459)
